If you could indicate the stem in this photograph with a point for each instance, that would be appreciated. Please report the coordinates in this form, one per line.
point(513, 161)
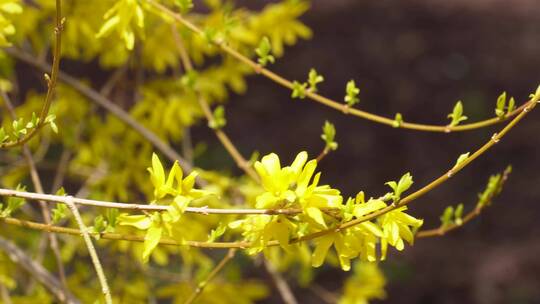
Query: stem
point(327, 101)
point(281, 284)
point(91, 250)
point(141, 207)
point(440, 231)
point(51, 82)
point(197, 292)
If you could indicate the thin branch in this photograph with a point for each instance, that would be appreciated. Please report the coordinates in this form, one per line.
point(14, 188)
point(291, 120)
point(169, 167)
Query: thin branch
point(141, 207)
point(327, 296)
point(323, 154)
point(51, 82)
point(37, 271)
point(91, 250)
point(327, 101)
point(281, 284)
point(241, 162)
point(442, 230)
point(53, 240)
point(61, 170)
point(197, 292)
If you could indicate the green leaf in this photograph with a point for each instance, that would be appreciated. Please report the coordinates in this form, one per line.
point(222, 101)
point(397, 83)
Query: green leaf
point(219, 120)
point(264, 52)
point(217, 233)
point(458, 214)
point(511, 105)
point(536, 96)
point(446, 217)
point(184, 5)
point(51, 121)
point(329, 134)
point(299, 90)
point(405, 182)
point(463, 157)
point(501, 104)
point(351, 97)
point(58, 213)
point(457, 115)
point(189, 79)
point(398, 120)
point(313, 79)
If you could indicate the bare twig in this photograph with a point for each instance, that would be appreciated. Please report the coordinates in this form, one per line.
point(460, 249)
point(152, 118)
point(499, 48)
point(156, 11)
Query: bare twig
point(281, 284)
point(91, 250)
point(37, 271)
point(197, 292)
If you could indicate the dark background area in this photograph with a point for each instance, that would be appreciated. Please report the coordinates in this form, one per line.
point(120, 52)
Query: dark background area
point(417, 58)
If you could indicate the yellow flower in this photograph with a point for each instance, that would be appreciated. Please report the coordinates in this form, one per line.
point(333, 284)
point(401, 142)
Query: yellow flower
point(396, 226)
point(295, 186)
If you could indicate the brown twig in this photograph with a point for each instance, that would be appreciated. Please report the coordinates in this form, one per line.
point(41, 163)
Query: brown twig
point(200, 288)
point(281, 284)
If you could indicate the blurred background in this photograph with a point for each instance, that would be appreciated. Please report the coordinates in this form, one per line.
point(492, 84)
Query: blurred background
point(416, 57)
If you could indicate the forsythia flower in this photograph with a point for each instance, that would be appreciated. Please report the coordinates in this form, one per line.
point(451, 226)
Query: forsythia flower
point(292, 186)
point(396, 226)
point(156, 224)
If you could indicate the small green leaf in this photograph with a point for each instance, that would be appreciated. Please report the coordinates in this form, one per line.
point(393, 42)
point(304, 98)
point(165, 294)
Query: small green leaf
point(299, 90)
point(219, 120)
point(458, 214)
point(58, 213)
point(511, 106)
point(184, 5)
point(398, 120)
point(446, 217)
point(329, 134)
point(264, 52)
point(501, 104)
point(457, 115)
point(405, 182)
point(463, 157)
point(189, 79)
point(217, 233)
point(535, 97)
point(313, 79)
point(351, 97)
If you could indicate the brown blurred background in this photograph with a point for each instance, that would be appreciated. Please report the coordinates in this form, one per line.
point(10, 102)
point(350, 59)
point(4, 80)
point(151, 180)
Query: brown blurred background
point(418, 58)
